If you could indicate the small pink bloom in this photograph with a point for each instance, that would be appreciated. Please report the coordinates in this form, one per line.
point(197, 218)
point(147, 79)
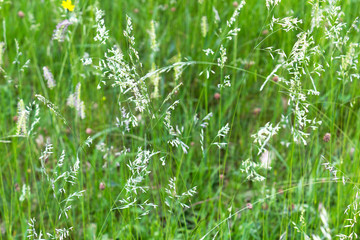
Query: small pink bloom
point(21, 14)
point(327, 137)
point(88, 131)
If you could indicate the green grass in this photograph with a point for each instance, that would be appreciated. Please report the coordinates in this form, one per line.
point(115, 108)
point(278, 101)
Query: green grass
point(297, 186)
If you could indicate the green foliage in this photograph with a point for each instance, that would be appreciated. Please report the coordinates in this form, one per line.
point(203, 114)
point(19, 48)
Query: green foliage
point(153, 138)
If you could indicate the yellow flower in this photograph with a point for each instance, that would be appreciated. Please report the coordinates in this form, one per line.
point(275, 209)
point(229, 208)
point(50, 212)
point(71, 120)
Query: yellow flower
point(68, 5)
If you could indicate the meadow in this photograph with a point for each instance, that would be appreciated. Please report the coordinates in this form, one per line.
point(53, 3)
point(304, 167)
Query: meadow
point(179, 119)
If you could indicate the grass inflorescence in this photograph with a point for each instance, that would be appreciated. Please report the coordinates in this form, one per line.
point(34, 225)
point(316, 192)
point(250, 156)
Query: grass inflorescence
point(179, 119)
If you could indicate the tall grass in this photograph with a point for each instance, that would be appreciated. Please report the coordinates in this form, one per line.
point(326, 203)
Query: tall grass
point(179, 119)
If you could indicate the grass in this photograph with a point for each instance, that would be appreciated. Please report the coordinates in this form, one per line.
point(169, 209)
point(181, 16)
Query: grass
point(299, 196)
